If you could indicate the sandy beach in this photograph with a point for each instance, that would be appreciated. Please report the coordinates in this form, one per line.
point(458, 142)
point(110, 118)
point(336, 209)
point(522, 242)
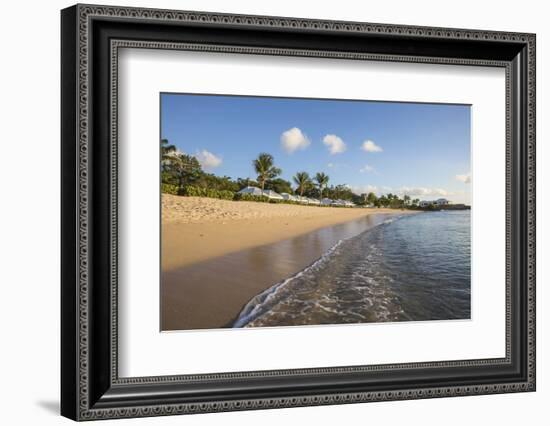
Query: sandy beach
point(195, 229)
point(218, 254)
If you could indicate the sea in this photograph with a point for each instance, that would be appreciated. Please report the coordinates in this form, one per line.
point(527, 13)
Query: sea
point(405, 268)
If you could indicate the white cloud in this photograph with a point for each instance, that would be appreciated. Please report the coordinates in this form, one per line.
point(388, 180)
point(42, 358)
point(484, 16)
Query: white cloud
point(408, 190)
point(208, 160)
point(370, 146)
point(464, 178)
point(338, 165)
point(422, 191)
point(366, 168)
point(365, 189)
point(335, 144)
point(435, 193)
point(293, 139)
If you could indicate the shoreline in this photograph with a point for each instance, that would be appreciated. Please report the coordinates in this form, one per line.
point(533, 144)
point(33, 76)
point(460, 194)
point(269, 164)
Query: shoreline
point(196, 229)
point(211, 292)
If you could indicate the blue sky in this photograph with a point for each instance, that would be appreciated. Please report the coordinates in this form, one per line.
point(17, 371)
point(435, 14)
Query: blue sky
point(406, 148)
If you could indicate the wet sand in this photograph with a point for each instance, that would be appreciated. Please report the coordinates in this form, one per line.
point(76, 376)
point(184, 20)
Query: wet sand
point(211, 270)
point(196, 229)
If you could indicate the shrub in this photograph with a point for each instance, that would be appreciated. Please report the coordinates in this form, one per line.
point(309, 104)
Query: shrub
point(167, 188)
point(250, 197)
point(265, 199)
point(194, 191)
point(225, 194)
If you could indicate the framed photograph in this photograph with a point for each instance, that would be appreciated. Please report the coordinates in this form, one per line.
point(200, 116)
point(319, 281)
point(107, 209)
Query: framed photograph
point(263, 212)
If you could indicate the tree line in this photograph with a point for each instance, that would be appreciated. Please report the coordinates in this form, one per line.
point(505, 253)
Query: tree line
point(181, 170)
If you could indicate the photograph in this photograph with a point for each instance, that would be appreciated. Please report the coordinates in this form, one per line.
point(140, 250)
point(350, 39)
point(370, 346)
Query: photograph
point(265, 208)
point(284, 212)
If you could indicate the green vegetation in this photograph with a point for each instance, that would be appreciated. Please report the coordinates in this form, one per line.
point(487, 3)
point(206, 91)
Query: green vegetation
point(371, 198)
point(279, 185)
point(261, 199)
point(322, 181)
point(182, 174)
point(263, 165)
point(180, 169)
point(167, 188)
point(303, 181)
point(197, 191)
point(166, 149)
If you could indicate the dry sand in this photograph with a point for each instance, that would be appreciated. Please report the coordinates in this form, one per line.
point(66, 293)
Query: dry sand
point(217, 254)
point(195, 229)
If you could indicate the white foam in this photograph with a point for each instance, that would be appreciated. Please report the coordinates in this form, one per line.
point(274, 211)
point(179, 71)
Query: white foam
point(252, 310)
point(255, 305)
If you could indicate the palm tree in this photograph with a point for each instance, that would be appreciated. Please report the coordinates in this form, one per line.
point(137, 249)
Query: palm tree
point(166, 149)
point(371, 198)
point(322, 182)
point(303, 181)
point(263, 165)
point(185, 167)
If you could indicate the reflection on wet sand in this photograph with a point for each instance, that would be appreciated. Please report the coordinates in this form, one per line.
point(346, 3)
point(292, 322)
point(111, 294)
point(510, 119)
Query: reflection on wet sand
point(211, 293)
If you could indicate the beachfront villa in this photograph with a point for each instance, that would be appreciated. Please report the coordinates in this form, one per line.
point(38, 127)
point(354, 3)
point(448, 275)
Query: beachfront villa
point(342, 203)
point(289, 197)
point(272, 195)
point(438, 202)
point(335, 203)
point(251, 190)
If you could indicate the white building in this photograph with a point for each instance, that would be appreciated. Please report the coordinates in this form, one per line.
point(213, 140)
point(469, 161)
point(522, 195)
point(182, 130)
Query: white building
point(326, 202)
point(273, 195)
point(438, 202)
point(289, 197)
point(251, 190)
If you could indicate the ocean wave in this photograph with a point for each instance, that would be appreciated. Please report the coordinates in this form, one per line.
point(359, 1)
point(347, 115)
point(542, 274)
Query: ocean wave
point(256, 306)
point(262, 303)
point(415, 269)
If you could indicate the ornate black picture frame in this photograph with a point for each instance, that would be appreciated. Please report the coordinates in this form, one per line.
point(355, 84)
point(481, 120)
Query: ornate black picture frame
point(91, 37)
